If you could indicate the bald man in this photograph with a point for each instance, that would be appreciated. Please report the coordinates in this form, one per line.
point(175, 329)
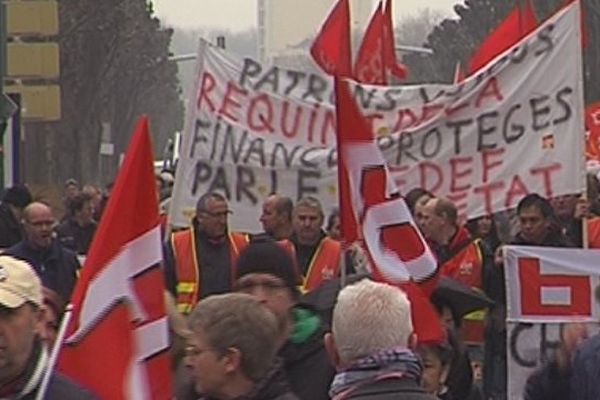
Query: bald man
point(276, 217)
point(55, 265)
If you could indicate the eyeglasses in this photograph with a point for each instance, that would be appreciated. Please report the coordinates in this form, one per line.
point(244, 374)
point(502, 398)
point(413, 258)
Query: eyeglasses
point(267, 286)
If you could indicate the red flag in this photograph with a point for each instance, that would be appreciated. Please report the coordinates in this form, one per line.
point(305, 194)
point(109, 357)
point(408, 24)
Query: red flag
point(331, 48)
point(369, 66)
point(373, 212)
point(116, 344)
point(518, 24)
point(389, 46)
point(592, 140)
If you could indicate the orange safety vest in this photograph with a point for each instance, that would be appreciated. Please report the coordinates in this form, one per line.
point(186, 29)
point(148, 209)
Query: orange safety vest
point(324, 265)
point(594, 233)
point(467, 267)
point(188, 270)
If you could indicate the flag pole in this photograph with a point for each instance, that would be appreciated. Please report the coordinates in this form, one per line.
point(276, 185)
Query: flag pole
point(55, 350)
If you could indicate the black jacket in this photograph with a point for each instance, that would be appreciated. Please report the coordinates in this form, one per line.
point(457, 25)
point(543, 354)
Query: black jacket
point(29, 383)
point(62, 388)
point(10, 229)
point(56, 266)
point(307, 367)
point(548, 383)
point(214, 259)
point(75, 237)
point(391, 389)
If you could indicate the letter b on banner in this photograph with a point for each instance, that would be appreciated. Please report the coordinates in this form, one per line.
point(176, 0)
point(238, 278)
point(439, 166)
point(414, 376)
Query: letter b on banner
point(552, 294)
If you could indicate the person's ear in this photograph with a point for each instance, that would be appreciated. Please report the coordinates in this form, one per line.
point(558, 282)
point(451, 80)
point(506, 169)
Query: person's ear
point(232, 360)
point(332, 352)
point(41, 318)
point(444, 374)
point(412, 341)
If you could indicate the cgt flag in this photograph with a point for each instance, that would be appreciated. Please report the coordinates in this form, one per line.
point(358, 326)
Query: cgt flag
point(373, 213)
point(116, 344)
point(369, 67)
point(518, 24)
point(331, 48)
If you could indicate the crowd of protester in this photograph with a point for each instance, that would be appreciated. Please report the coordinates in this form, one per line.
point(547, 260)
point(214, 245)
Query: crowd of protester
point(263, 315)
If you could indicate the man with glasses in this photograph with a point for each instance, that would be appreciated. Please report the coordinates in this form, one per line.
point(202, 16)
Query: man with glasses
point(55, 265)
point(231, 352)
point(266, 271)
point(199, 260)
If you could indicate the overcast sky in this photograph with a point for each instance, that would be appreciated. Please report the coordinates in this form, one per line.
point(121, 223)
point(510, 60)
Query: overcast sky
point(241, 14)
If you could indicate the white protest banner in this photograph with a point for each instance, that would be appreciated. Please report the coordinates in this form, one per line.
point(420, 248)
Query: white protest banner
point(513, 129)
point(549, 284)
point(545, 286)
point(529, 346)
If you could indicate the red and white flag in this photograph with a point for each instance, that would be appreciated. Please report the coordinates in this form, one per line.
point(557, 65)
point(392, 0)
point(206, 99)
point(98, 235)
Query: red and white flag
point(331, 48)
point(116, 344)
point(374, 213)
point(369, 66)
point(390, 60)
point(518, 24)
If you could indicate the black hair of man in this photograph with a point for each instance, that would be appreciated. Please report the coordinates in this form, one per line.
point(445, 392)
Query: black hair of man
point(202, 203)
point(77, 202)
point(414, 195)
point(537, 201)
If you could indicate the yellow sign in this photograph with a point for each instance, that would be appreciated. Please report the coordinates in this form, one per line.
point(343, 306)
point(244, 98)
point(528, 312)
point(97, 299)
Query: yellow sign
point(37, 18)
point(38, 103)
point(35, 60)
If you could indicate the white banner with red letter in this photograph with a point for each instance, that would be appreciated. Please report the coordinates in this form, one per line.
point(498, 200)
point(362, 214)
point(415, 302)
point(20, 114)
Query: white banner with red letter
point(548, 284)
point(514, 128)
point(545, 286)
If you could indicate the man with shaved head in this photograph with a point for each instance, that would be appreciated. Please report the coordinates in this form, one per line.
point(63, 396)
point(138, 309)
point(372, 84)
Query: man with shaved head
point(276, 217)
point(55, 265)
point(459, 256)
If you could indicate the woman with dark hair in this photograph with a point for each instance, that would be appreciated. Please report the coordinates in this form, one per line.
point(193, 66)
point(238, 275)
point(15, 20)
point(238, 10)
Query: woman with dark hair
point(484, 227)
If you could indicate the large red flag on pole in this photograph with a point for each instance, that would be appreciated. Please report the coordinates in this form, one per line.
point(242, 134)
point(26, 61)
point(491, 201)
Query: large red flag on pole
point(518, 24)
point(331, 49)
point(369, 66)
point(389, 45)
point(374, 214)
point(117, 342)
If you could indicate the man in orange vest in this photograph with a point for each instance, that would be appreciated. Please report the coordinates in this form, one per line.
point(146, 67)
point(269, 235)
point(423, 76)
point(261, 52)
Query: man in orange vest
point(199, 261)
point(318, 256)
point(459, 256)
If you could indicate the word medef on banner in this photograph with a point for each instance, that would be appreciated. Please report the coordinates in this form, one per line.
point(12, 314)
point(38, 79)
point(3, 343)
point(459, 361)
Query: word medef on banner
point(513, 129)
point(546, 287)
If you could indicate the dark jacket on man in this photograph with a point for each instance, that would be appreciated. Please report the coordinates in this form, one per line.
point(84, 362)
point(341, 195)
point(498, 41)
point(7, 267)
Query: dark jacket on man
point(75, 237)
point(585, 384)
point(550, 382)
point(56, 266)
point(26, 387)
point(10, 229)
point(306, 363)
